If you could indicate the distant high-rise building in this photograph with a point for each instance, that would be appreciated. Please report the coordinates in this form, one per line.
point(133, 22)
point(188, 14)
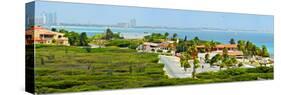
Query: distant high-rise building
point(46, 19)
point(133, 23)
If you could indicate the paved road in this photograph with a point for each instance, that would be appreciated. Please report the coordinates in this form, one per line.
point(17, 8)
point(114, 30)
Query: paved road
point(172, 67)
point(174, 70)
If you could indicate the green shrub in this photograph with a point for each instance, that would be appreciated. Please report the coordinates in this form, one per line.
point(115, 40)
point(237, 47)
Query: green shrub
point(159, 50)
point(233, 71)
point(154, 71)
point(72, 72)
point(121, 70)
point(169, 51)
point(59, 84)
point(160, 83)
point(43, 72)
point(212, 75)
point(260, 70)
point(245, 77)
point(133, 46)
point(252, 76)
point(88, 49)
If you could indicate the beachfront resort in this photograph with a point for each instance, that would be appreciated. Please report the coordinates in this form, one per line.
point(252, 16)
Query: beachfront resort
point(244, 53)
point(72, 47)
point(79, 60)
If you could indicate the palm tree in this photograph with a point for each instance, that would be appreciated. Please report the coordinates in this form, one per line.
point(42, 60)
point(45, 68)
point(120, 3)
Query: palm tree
point(264, 52)
point(249, 46)
point(186, 65)
point(207, 58)
point(213, 45)
point(232, 41)
point(215, 59)
point(185, 38)
point(207, 47)
point(196, 38)
point(193, 51)
point(221, 65)
point(184, 60)
point(195, 65)
point(208, 50)
point(257, 51)
point(225, 53)
point(241, 47)
point(232, 62)
point(174, 36)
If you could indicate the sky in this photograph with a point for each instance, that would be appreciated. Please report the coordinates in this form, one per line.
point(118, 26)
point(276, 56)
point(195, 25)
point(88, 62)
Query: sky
point(105, 14)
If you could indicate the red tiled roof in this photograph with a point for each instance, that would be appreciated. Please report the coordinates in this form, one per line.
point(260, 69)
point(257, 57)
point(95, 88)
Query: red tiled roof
point(40, 30)
point(226, 46)
point(233, 53)
point(221, 46)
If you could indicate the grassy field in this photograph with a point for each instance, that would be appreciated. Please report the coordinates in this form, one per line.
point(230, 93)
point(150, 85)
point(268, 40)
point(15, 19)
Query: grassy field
point(72, 69)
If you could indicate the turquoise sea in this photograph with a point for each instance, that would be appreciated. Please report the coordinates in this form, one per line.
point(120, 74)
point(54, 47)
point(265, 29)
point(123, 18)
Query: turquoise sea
point(259, 38)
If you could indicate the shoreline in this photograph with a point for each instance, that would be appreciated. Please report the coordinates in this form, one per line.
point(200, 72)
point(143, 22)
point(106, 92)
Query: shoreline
point(139, 33)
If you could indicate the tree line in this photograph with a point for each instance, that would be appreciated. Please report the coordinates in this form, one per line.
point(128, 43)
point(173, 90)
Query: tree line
point(74, 38)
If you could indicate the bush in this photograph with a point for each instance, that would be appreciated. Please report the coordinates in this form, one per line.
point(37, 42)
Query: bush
point(245, 77)
point(260, 70)
point(133, 46)
point(154, 70)
point(169, 51)
point(88, 49)
point(253, 76)
point(159, 50)
point(121, 70)
point(212, 75)
point(240, 64)
point(71, 72)
point(233, 71)
point(62, 84)
point(160, 83)
point(43, 72)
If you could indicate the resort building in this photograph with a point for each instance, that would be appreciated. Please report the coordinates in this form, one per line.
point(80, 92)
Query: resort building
point(164, 47)
point(40, 35)
point(229, 47)
point(218, 49)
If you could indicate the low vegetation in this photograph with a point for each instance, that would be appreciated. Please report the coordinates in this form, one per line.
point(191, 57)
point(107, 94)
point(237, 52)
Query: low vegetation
point(125, 43)
point(72, 69)
point(63, 69)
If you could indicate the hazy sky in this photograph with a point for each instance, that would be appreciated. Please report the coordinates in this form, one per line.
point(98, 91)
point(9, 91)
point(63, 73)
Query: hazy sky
point(104, 14)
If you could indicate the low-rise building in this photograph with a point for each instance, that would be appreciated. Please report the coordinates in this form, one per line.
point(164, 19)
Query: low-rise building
point(40, 35)
point(232, 49)
point(164, 47)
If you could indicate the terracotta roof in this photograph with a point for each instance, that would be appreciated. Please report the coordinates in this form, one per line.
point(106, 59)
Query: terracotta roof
point(40, 30)
point(221, 46)
point(233, 53)
point(226, 46)
point(151, 44)
point(164, 44)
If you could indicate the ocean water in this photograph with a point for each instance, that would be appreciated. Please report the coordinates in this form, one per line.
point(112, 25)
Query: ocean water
point(259, 38)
